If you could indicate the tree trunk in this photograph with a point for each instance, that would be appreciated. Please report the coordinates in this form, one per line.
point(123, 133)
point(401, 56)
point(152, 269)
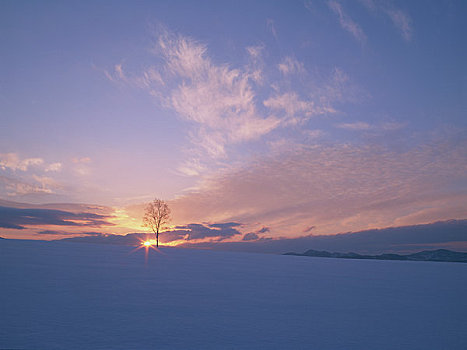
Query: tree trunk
point(157, 239)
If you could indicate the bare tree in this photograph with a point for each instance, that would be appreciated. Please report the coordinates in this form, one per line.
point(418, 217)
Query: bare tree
point(157, 214)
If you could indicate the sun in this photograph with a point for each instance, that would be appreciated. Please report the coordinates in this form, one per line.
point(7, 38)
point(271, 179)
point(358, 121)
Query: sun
point(149, 243)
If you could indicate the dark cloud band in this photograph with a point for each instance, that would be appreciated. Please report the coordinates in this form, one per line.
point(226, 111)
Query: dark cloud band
point(17, 218)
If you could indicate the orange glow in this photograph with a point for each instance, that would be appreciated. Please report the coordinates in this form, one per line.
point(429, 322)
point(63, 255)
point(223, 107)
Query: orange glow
point(152, 242)
point(174, 243)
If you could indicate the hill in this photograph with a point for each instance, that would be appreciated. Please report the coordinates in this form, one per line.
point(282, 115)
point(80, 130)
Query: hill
point(427, 255)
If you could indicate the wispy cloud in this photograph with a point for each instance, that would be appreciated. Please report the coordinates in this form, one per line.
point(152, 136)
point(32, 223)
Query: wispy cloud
point(346, 22)
point(354, 126)
point(369, 4)
point(256, 64)
point(308, 5)
point(255, 52)
point(217, 98)
point(292, 109)
point(291, 65)
point(81, 166)
point(271, 27)
point(227, 106)
point(360, 126)
point(116, 74)
point(339, 88)
point(314, 134)
point(192, 167)
point(82, 160)
point(400, 19)
point(391, 126)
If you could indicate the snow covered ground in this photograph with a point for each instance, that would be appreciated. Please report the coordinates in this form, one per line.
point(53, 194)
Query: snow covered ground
point(83, 296)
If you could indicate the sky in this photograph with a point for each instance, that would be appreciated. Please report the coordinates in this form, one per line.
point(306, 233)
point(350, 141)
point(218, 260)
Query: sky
point(254, 120)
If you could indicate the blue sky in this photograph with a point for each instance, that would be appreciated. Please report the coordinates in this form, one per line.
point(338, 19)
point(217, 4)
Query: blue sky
point(288, 115)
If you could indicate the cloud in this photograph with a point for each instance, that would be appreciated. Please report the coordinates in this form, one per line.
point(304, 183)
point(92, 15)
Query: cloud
point(291, 65)
point(400, 19)
point(253, 236)
point(20, 218)
point(255, 52)
point(446, 234)
point(25, 176)
point(46, 182)
point(354, 126)
point(12, 161)
point(227, 225)
point(336, 188)
point(219, 99)
point(54, 167)
point(192, 167)
point(391, 126)
point(359, 126)
point(271, 27)
point(346, 22)
point(404, 239)
point(119, 71)
point(338, 88)
point(313, 134)
point(226, 106)
point(81, 166)
point(201, 231)
point(255, 66)
point(82, 160)
point(292, 109)
point(308, 5)
point(16, 187)
point(64, 232)
point(194, 232)
point(116, 74)
point(369, 4)
point(133, 239)
point(264, 230)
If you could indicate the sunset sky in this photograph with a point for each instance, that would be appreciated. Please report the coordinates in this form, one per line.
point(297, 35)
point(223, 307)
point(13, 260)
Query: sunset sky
point(253, 119)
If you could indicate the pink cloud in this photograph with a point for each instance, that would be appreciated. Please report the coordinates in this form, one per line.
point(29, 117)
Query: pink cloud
point(334, 188)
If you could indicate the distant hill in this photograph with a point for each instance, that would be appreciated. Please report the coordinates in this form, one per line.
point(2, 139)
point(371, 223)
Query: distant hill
point(426, 255)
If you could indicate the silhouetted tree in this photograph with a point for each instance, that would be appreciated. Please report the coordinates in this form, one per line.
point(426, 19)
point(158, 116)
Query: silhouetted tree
point(157, 214)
